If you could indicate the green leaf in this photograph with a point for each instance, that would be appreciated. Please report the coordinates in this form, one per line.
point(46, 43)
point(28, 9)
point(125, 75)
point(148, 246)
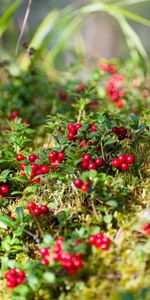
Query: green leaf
point(6, 220)
point(28, 171)
point(112, 203)
point(107, 219)
point(4, 20)
point(49, 277)
point(4, 175)
point(131, 15)
point(130, 2)
point(48, 239)
point(19, 212)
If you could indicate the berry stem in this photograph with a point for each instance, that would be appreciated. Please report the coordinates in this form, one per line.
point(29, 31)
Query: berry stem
point(102, 149)
point(38, 226)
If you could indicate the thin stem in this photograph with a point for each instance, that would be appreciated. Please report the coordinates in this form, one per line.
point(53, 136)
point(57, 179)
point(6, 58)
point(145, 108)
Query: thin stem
point(39, 227)
point(102, 149)
point(94, 211)
point(23, 25)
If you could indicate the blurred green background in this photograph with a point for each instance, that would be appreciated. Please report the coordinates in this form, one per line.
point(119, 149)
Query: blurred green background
point(99, 35)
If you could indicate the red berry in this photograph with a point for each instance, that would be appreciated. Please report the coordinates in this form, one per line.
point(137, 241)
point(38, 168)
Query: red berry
point(130, 159)
point(22, 166)
point(20, 157)
point(146, 228)
point(63, 95)
point(55, 165)
point(44, 169)
point(99, 162)
point(92, 166)
point(1, 195)
point(98, 242)
point(37, 180)
point(71, 136)
point(34, 167)
point(57, 248)
point(84, 188)
point(11, 272)
point(44, 251)
point(72, 128)
point(12, 283)
point(38, 172)
point(124, 166)
point(31, 205)
point(4, 189)
point(105, 246)
point(52, 156)
point(115, 129)
point(78, 126)
point(92, 239)
point(78, 264)
point(121, 103)
point(116, 162)
point(56, 256)
point(84, 164)
point(45, 261)
point(123, 131)
point(88, 183)
point(14, 115)
point(93, 127)
point(84, 144)
point(32, 157)
point(21, 275)
point(44, 209)
point(87, 157)
point(61, 155)
point(36, 211)
point(10, 215)
point(122, 158)
point(78, 183)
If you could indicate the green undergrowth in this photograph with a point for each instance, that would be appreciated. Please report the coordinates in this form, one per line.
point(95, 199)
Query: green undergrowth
point(116, 203)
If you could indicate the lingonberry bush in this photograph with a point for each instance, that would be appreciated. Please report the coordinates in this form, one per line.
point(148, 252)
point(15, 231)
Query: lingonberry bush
point(74, 185)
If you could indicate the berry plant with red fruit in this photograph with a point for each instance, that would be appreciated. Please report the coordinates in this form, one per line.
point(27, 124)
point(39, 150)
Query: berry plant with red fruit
point(74, 185)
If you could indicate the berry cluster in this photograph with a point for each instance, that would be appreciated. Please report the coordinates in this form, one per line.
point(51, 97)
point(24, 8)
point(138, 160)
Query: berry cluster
point(123, 161)
point(115, 89)
point(4, 189)
point(14, 278)
point(120, 131)
point(69, 261)
point(99, 240)
point(37, 210)
point(107, 67)
point(37, 169)
point(78, 183)
point(88, 164)
point(72, 130)
point(56, 158)
point(44, 252)
point(16, 114)
point(13, 115)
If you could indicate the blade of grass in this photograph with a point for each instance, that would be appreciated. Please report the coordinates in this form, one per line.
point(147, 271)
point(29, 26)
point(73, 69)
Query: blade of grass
point(132, 38)
point(62, 39)
point(4, 20)
point(130, 2)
